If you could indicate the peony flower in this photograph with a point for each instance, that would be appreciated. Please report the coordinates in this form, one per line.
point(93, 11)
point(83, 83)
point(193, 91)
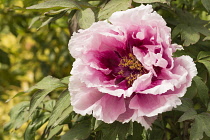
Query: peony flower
point(124, 70)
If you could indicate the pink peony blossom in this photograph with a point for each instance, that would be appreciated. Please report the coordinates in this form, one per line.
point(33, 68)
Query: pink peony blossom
point(124, 69)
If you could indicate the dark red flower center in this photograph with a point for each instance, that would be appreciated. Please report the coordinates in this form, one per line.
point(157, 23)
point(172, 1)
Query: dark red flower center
point(130, 68)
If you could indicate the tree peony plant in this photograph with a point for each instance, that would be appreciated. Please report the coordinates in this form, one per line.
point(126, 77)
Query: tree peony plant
point(124, 70)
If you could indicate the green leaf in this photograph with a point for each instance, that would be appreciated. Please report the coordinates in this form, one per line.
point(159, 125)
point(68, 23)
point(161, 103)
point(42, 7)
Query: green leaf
point(113, 6)
point(123, 130)
point(189, 19)
point(189, 35)
point(4, 58)
point(100, 125)
point(49, 105)
point(191, 91)
point(208, 109)
point(51, 19)
point(202, 90)
point(34, 20)
point(33, 126)
point(18, 94)
point(186, 105)
point(156, 134)
point(45, 86)
point(18, 116)
point(206, 4)
point(54, 131)
point(29, 132)
point(203, 55)
point(114, 130)
point(177, 30)
point(191, 27)
point(49, 83)
point(188, 115)
point(150, 1)
point(201, 125)
point(56, 4)
point(137, 131)
point(55, 12)
point(111, 131)
point(206, 63)
point(86, 18)
point(65, 80)
point(62, 103)
point(201, 28)
point(48, 17)
point(97, 125)
point(36, 99)
point(206, 38)
point(65, 114)
point(80, 131)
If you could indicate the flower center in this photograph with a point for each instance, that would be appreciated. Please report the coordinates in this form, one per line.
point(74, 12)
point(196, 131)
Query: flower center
point(130, 68)
point(130, 62)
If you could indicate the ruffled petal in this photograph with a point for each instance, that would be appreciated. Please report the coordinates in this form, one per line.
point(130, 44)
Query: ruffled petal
point(150, 105)
point(146, 121)
point(142, 15)
point(79, 95)
point(127, 115)
point(109, 108)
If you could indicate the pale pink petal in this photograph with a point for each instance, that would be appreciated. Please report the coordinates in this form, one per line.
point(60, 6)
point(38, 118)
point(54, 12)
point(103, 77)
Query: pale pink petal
point(142, 82)
point(176, 47)
point(146, 121)
point(189, 65)
point(94, 38)
point(127, 115)
point(79, 95)
point(151, 105)
point(109, 108)
point(141, 15)
point(160, 89)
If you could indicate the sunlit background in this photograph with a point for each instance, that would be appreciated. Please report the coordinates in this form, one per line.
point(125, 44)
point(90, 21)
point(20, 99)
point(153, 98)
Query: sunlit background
point(27, 55)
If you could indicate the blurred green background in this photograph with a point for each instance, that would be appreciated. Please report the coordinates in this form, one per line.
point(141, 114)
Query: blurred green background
point(27, 55)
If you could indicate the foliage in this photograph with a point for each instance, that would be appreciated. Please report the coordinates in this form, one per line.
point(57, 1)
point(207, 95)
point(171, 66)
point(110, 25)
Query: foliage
point(189, 21)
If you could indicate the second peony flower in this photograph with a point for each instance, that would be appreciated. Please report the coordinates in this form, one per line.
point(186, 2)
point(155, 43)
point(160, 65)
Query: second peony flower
point(124, 70)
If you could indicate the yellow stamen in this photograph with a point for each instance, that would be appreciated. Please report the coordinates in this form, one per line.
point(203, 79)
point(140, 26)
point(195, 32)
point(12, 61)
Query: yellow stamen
point(131, 78)
point(132, 63)
point(121, 72)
